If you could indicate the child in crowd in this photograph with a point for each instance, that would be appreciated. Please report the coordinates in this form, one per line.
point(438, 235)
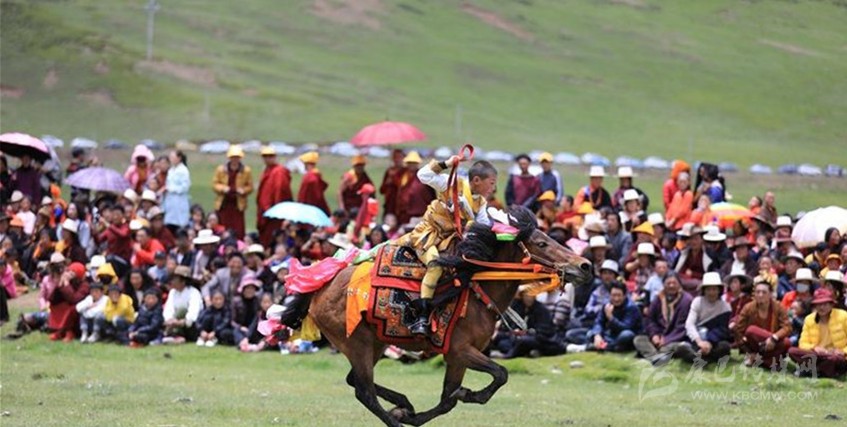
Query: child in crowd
point(147, 327)
point(245, 309)
point(254, 339)
point(89, 309)
point(118, 315)
point(214, 323)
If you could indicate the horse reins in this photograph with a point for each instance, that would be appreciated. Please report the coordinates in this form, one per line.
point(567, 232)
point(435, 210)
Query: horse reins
point(453, 185)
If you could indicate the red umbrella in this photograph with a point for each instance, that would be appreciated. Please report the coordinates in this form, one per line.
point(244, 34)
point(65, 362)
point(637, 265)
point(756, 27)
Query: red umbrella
point(20, 144)
point(387, 133)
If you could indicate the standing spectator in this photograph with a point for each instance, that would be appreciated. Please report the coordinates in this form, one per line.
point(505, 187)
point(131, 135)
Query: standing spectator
point(710, 182)
point(625, 176)
point(390, 182)
point(182, 308)
point(232, 183)
point(594, 193)
point(274, 187)
point(823, 342)
point(523, 188)
point(159, 176)
point(550, 178)
point(618, 324)
point(707, 325)
point(670, 187)
point(89, 309)
point(8, 290)
point(312, 187)
point(763, 329)
point(214, 323)
point(148, 324)
point(27, 179)
point(664, 325)
point(413, 196)
point(177, 186)
point(768, 211)
point(72, 289)
point(349, 197)
point(140, 168)
point(678, 212)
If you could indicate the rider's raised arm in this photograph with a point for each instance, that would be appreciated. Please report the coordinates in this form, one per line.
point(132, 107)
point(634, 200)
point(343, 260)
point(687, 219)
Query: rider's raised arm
point(431, 175)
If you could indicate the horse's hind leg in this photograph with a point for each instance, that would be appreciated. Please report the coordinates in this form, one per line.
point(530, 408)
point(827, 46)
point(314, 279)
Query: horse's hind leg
point(362, 376)
point(452, 383)
point(400, 400)
point(477, 361)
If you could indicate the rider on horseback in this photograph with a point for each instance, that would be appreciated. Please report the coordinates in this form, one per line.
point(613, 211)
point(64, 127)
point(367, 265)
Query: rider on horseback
point(437, 229)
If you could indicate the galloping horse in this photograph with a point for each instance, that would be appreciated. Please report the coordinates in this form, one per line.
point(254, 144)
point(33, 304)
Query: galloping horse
point(471, 334)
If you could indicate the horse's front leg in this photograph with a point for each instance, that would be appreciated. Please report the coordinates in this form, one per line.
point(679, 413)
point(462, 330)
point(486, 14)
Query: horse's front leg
point(475, 360)
point(452, 382)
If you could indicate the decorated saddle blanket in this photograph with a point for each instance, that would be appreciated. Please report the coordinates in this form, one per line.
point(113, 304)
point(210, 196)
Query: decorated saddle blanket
point(385, 307)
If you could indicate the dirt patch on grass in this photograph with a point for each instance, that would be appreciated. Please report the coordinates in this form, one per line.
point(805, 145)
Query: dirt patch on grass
point(497, 21)
point(188, 73)
point(790, 48)
point(99, 97)
point(350, 12)
point(12, 92)
point(101, 68)
point(51, 79)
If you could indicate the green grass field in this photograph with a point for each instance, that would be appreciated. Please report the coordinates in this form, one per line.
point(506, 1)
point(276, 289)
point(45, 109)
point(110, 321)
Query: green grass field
point(742, 81)
point(46, 383)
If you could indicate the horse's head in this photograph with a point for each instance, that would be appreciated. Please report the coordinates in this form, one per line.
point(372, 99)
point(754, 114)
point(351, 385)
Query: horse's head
point(542, 249)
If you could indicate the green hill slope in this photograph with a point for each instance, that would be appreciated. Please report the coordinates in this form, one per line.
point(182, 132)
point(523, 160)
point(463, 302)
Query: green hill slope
point(732, 80)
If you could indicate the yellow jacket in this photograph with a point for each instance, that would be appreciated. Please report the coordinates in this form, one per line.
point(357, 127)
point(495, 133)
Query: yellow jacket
point(811, 335)
point(243, 181)
point(122, 309)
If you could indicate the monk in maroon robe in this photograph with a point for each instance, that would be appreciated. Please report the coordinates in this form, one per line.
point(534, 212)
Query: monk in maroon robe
point(390, 183)
point(313, 185)
point(413, 196)
point(274, 187)
point(349, 195)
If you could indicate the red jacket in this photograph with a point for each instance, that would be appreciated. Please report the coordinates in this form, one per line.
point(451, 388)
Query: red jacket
point(118, 241)
point(145, 256)
point(312, 190)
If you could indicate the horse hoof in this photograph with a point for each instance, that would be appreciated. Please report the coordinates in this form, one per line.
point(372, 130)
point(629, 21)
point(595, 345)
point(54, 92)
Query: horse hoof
point(399, 413)
point(460, 394)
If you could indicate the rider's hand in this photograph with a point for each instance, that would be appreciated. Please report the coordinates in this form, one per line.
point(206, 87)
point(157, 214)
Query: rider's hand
point(452, 161)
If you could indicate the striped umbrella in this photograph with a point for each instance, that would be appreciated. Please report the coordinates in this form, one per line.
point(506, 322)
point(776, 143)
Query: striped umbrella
point(728, 213)
point(98, 179)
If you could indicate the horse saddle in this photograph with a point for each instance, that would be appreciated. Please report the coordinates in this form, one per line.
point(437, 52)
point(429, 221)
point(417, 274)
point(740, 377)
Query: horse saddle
point(399, 262)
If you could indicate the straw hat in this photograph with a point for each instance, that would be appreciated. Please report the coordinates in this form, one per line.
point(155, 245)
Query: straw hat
point(184, 272)
point(834, 276)
point(96, 262)
point(341, 240)
point(793, 254)
point(610, 265)
point(235, 150)
point(656, 218)
point(598, 242)
point(712, 278)
point(412, 157)
point(545, 157)
point(713, 234)
point(130, 195)
point(546, 196)
point(646, 249)
point(357, 160)
point(804, 275)
point(594, 227)
point(255, 249)
point(784, 221)
point(150, 196)
point(740, 273)
point(154, 212)
point(310, 157)
point(267, 150)
point(46, 201)
point(17, 196)
point(596, 172)
point(630, 195)
point(625, 172)
point(71, 225)
point(138, 224)
point(57, 258)
point(206, 237)
point(741, 241)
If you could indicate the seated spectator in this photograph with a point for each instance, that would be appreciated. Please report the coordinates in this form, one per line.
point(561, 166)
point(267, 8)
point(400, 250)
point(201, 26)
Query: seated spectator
point(664, 325)
point(226, 279)
point(797, 313)
point(245, 309)
point(639, 271)
point(255, 340)
point(834, 281)
point(693, 261)
point(823, 342)
point(804, 285)
point(707, 325)
point(37, 320)
point(72, 289)
point(578, 334)
point(117, 316)
point(739, 292)
point(182, 308)
point(655, 283)
point(147, 327)
point(89, 309)
point(8, 290)
point(214, 323)
point(618, 324)
point(145, 248)
point(741, 259)
point(159, 271)
point(791, 264)
point(763, 329)
point(136, 284)
point(537, 339)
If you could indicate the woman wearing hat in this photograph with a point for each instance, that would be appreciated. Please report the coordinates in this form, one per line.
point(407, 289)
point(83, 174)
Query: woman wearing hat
point(232, 183)
point(632, 213)
point(274, 187)
point(69, 244)
point(741, 258)
point(182, 307)
point(139, 169)
point(594, 193)
point(802, 286)
point(352, 181)
point(639, 271)
point(625, 176)
point(313, 186)
point(71, 289)
point(413, 196)
point(762, 328)
point(176, 204)
point(707, 325)
point(823, 342)
point(834, 281)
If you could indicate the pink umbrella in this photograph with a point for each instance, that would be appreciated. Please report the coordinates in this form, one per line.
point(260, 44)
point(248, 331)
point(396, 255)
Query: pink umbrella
point(20, 144)
point(387, 133)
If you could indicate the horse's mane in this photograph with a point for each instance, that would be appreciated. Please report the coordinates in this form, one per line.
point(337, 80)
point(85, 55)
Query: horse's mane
point(480, 242)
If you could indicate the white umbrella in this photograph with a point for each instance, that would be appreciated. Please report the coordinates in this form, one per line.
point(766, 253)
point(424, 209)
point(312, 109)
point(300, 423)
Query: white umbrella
point(810, 230)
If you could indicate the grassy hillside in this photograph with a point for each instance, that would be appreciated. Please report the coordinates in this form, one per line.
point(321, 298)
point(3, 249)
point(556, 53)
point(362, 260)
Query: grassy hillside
point(732, 80)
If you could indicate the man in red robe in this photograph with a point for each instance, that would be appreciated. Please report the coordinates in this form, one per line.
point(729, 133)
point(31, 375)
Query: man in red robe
point(349, 197)
point(313, 186)
point(413, 196)
point(274, 187)
point(390, 183)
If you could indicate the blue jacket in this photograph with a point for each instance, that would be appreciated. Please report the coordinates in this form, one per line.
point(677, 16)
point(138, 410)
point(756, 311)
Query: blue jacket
point(625, 317)
point(148, 321)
